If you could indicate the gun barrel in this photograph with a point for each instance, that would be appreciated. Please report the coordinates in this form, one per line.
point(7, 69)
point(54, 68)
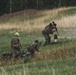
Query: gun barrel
point(57, 32)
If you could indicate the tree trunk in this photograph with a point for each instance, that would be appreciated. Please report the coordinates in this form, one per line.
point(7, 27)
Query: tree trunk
point(10, 6)
point(37, 4)
point(59, 3)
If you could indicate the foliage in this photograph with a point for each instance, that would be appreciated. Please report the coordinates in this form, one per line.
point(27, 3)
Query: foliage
point(18, 5)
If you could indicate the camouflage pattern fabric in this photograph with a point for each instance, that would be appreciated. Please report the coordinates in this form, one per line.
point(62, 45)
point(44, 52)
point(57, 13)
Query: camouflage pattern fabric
point(49, 29)
point(16, 46)
point(34, 47)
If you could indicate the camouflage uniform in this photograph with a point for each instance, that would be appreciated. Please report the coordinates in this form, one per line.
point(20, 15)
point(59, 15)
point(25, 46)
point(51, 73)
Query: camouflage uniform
point(37, 45)
point(31, 49)
point(54, 27)
point(34, 47)
point(16, 46)
point(49, 29)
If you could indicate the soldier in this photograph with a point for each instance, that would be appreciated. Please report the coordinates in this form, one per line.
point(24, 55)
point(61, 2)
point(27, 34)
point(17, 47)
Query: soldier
point(34, 47)
point(37, 45)
point(49, 29)
point(16, 45)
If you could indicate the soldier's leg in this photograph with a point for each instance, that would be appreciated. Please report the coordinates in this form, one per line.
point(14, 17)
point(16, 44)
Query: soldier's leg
point(17, 52)
point(48, 39)
point(32, 52)
point(44, 34)
point(45, 39)
point(13, 52)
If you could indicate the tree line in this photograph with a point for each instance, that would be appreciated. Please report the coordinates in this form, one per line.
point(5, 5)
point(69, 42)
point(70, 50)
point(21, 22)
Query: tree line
point(10, 6)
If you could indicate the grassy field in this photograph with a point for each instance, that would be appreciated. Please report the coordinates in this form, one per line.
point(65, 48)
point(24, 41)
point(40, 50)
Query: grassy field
point(53, 59)
point(55, 67)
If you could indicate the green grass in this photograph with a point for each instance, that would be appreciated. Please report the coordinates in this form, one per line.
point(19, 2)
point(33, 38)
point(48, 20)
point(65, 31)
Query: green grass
point(29, 38)
point(57, 67)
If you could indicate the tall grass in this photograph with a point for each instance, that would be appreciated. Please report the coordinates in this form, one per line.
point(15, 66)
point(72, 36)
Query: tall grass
point(57, 67)
point(37, 20)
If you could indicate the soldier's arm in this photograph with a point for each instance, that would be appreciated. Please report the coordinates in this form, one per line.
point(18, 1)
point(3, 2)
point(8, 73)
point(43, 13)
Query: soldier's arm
point(20, 43)
point(46, 27)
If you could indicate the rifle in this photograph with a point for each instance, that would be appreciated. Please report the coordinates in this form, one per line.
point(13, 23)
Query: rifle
point(57, 30)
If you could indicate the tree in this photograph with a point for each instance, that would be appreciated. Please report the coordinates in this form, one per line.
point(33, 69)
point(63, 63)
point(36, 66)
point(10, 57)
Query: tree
point(9, 6)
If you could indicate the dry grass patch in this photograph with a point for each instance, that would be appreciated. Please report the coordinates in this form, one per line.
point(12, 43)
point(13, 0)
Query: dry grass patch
point(39, 23)
point(65, 53)
point(67, 22)
point(54, 54)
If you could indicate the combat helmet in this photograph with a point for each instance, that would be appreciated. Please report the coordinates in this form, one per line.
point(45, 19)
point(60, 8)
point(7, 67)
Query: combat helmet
point(36, 41)
point(17, 34)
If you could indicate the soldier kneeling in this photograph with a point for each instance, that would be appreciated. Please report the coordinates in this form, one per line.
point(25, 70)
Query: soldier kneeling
point(16, 45)
point(49, 29)
point(34, 47)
